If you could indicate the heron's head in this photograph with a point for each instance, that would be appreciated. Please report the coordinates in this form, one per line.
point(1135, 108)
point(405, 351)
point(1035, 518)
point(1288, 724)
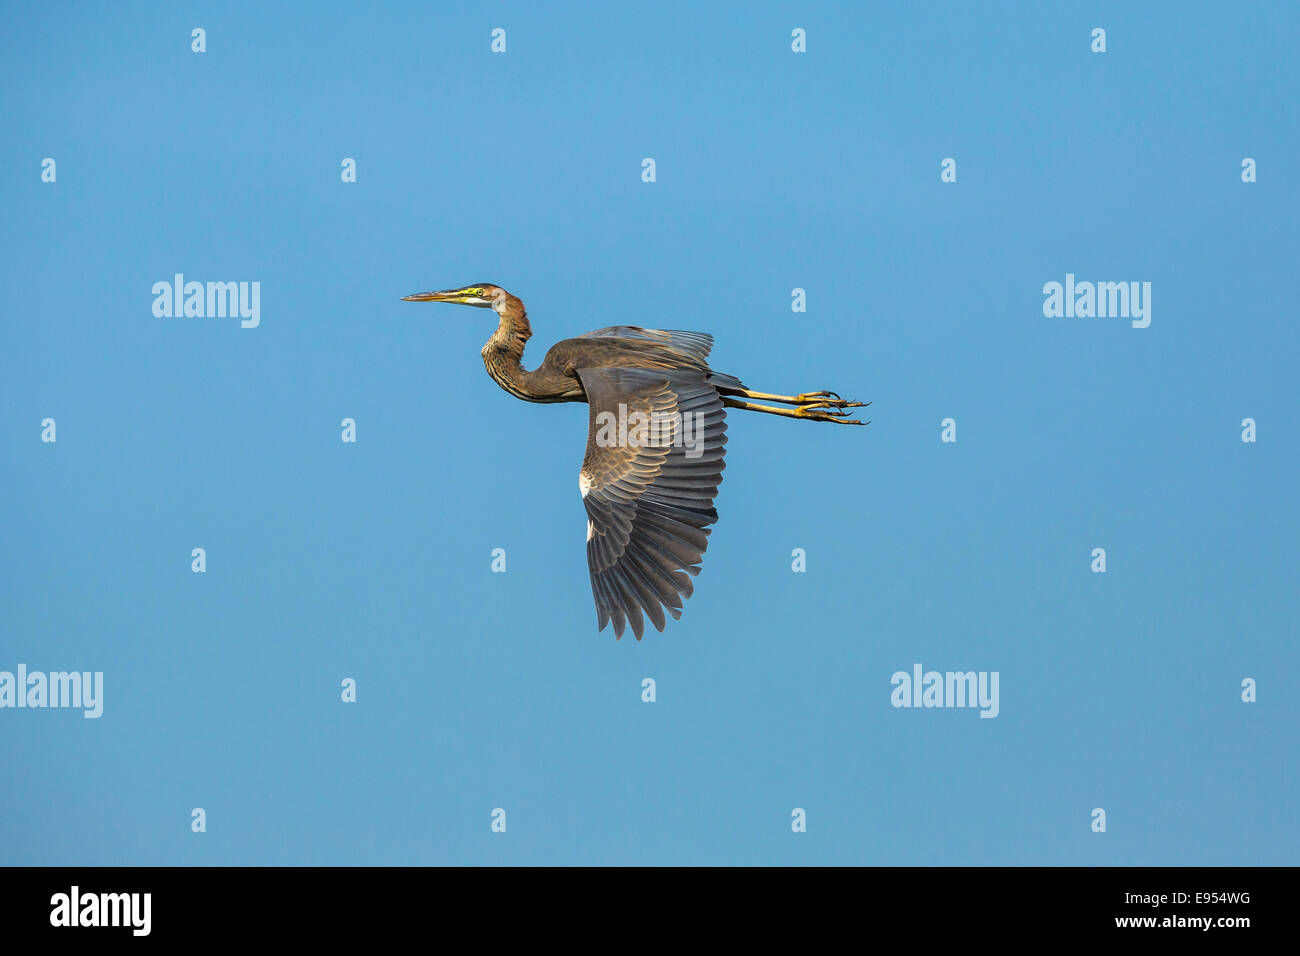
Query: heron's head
point(481, 295)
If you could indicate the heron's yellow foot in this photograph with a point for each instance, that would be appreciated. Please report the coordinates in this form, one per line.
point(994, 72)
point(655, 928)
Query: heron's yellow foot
point(803, 398)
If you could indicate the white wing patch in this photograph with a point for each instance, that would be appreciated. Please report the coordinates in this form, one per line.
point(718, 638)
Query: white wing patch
point(584, 486)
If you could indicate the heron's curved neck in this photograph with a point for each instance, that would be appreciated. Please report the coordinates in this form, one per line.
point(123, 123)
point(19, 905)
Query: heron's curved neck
point(503, 355)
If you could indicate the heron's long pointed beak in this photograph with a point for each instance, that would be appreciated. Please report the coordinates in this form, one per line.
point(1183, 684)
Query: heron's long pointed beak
point(449, 295)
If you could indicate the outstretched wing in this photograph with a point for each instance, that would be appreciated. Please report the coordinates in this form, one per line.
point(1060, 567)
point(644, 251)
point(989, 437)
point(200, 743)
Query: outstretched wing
point(695, 344)
point(655, 446)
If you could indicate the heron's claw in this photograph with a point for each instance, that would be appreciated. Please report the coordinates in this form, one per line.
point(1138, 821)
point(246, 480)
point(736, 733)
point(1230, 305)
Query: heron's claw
point(835, 403)
point(819, 414)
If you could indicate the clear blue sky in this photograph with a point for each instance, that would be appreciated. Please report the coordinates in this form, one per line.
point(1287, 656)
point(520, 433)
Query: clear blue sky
point(775, 170)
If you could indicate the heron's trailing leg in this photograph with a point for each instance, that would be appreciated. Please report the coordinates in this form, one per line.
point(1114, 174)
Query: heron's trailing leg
point(812, 399)
point(814, 411)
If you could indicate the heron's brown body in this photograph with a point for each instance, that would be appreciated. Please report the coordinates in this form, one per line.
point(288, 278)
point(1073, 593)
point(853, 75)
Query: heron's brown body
point(648, 493)
point(556, 378)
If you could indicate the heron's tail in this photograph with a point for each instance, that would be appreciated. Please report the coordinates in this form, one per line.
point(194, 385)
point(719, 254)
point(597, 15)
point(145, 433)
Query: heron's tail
point(724, 383)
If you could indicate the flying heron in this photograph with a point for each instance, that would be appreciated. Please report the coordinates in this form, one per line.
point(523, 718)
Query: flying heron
point(655, 445)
